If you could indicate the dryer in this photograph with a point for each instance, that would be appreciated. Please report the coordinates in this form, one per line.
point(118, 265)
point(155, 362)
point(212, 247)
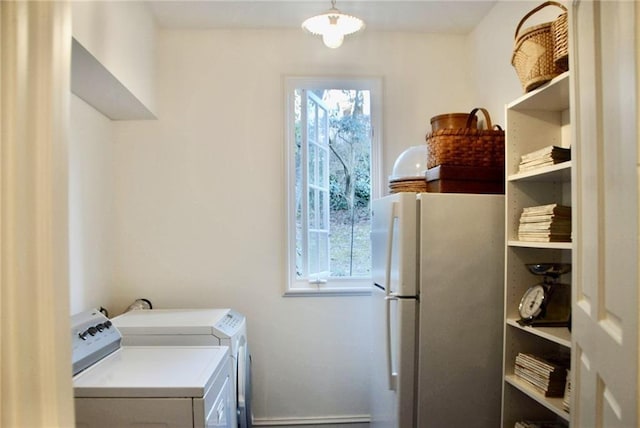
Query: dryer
point(132, 386)
point(193, 327)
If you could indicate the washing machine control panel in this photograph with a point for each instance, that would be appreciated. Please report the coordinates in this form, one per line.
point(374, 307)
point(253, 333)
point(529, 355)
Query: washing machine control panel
point(230, 323)
point(93, 337)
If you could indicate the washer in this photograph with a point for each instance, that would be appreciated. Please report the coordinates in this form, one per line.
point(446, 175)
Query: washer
point(153, 327)
point(127, 386)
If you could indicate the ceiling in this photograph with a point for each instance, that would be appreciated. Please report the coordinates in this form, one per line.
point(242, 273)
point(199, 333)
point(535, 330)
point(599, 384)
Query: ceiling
point(433, 16)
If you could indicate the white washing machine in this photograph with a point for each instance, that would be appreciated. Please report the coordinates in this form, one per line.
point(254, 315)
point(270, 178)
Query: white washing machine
point(193, 327)
point(133, 386)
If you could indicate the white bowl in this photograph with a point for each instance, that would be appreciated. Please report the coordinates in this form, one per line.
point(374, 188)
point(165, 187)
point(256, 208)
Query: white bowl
point(412, 163)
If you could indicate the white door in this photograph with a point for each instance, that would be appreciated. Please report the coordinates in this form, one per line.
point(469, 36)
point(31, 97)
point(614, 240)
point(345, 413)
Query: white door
point(605, 310)
point(315, 191)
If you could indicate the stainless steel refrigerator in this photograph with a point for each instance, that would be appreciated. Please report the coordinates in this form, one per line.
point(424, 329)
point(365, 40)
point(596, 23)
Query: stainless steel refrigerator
point(438, 273)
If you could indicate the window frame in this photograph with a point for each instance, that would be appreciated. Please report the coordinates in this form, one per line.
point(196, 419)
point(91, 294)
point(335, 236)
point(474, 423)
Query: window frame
point(342, 286)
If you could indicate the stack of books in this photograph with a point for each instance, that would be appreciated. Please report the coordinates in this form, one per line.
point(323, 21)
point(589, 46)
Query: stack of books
point(567, 392)
point(546, 156)
point(547, 376)
point(545, 223)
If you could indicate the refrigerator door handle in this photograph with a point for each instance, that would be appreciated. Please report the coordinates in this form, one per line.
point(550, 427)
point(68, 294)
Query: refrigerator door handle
point(389, 296)
point(387, 269)
point(391, 375)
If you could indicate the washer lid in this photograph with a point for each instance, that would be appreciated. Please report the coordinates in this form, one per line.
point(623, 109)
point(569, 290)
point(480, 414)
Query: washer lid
point(153, 371)
point(222, 323)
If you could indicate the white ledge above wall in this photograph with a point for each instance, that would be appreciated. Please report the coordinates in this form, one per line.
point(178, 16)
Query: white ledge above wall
point(93, 83)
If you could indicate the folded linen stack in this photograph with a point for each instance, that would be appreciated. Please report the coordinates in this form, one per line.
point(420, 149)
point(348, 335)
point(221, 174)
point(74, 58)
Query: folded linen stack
point(546, 156)
point(546, 375)
point(545, 223)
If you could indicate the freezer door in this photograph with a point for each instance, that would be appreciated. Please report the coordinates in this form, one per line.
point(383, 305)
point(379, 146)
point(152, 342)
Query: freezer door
point(394, 242)
point(393, 380)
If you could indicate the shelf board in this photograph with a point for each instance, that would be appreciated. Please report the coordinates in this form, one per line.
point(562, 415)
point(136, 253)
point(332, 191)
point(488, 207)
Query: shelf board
point(552, 96)
point(95, 85)
point(559, 335)
point(552, 403)
point(550, 245)
point(558, 172)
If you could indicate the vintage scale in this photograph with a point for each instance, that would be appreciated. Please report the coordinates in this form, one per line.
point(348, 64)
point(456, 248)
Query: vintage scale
point(547, 304)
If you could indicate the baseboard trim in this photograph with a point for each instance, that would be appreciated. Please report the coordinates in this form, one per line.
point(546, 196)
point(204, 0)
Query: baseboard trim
point(314, 420)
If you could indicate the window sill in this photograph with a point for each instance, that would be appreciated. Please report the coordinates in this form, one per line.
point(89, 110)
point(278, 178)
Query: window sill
point(328, 292)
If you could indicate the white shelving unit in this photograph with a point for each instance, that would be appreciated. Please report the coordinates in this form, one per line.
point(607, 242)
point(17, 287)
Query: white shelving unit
point(537, 119)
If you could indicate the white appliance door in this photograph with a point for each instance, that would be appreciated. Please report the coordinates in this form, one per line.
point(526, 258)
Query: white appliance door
point(394, 249)
point(461, 310)
point(393, 361)
point(245, 417)
point(394, 241)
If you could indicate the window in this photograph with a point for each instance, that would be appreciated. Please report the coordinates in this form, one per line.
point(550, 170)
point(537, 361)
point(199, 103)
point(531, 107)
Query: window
point(332, 176)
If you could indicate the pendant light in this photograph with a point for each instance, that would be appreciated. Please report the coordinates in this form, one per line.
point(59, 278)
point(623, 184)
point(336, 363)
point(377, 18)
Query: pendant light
point(333, 25)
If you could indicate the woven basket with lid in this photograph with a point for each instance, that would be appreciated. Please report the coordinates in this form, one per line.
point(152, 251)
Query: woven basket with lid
point(467, 146)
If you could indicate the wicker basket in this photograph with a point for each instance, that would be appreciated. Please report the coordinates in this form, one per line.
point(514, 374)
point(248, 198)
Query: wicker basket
point(467, 146)
point(534, 56)
point(560, 28)
point(410, 184)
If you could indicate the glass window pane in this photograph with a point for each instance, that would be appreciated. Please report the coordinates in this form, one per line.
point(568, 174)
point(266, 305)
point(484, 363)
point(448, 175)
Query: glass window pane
point(297, 100)
point(311, 121)
point(323, 179)
point(299, 251)
point(322, 126)
point(312, 209)
point(322, 211)
point(318, 253)
point(314, 249)
point(323, 252)
point(311, 165)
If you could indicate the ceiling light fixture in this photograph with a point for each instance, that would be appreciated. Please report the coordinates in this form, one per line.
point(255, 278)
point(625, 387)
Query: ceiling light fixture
point(333, 25)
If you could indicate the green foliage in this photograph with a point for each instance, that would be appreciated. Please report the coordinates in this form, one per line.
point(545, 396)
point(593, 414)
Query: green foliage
point(338, 199)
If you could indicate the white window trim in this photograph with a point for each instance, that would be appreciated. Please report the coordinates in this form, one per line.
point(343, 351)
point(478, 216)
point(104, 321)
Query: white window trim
point(347, 286)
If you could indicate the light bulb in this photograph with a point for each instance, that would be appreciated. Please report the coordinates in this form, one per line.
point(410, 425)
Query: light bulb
point(333, 25)
point(333, 37)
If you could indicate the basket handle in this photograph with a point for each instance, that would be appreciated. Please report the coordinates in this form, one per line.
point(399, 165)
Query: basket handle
point(484, 112)
point(528, 15)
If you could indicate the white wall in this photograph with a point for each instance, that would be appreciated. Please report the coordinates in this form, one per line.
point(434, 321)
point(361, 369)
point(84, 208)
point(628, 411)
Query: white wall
point(90, 207)
point(199, 199)
point(121, 35)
